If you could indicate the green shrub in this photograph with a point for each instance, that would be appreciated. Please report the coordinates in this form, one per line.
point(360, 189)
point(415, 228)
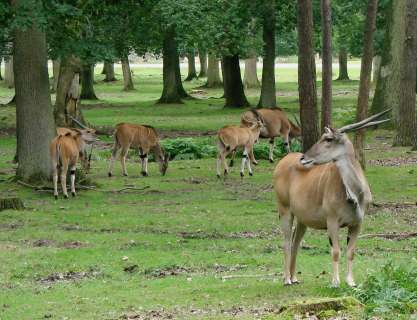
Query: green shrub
point(390, 290)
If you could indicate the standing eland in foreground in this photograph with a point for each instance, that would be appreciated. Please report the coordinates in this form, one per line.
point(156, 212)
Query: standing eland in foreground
point(325, 188)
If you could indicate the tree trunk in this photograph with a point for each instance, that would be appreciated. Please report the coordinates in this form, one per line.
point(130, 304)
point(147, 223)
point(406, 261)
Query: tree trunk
point(55, 72)
point(365, 79)
point(109, 72)
point(127, 75)
point(343, 68)
point(192, 73)
point(232, 81)
point(250, 77)
point(1, 59)
point(268, 90)
point(307, 75)
point(68, 92)
point(213, 73)
point(8, 72)
point(376, 65)
point(405, 110)
point(173, 90)
point(87, 82)
point(202, 55)
point(34, 116)
point(326, 98)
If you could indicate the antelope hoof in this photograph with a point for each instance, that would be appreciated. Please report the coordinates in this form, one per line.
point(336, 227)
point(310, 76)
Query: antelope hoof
point(231, 163)
point(287, 283)
point(255, 163)
point(335, 283)
point(65, 196)
point(271, 160)
point(351, 283)
point(242, 174)
point(110, 174)
point(218, 176)
point(125, 174)
point(225, 172)
point(251, 174)
point(56, 196)
point(294, 280)
point(144, 173)
point(73, 194)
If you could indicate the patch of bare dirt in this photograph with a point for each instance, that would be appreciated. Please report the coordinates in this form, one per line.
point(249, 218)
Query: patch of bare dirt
point(391, 236)
point(394, 162)
point(10, 226)
point(148, 315)
point(42, 243)
point(393, 207)
point(199, 234)
point(167, 271)
point(73, 244)
point(68, 276)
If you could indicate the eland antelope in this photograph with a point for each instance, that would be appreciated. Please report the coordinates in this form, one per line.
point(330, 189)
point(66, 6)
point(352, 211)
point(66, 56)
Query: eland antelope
point(140, 137)
point(325, 188)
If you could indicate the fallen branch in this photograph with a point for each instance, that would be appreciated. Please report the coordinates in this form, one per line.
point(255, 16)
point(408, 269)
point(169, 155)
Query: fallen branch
point(128, 188)
point(50, 189)
point(391, 236)
point(234, 276)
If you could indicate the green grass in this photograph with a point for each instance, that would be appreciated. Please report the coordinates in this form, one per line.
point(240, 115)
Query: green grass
point(186, 230)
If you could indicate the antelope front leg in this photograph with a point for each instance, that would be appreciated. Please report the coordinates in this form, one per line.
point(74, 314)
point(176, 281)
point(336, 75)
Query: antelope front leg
point(218, 165)
point(353, 233)
point(244, 159)
point(112, 159)
point(251, 156)
point(286, 226)
point(333, 231)
point(72, 173)
point(144, 164)
point(299, 232)
point(232, 160)
point(271, 150)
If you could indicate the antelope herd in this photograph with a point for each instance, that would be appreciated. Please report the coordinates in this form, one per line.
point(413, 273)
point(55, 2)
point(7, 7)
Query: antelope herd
point(324, 188)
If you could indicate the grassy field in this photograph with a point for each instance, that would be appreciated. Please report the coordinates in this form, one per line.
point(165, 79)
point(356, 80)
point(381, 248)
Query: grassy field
point(187, 245)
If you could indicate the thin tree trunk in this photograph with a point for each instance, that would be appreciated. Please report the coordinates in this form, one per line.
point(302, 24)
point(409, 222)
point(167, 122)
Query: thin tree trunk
point(376, 65)
point(173, 90)
point(343, 68)
point(34, 114)
point(307, 75)
point(68, 93)
point(192, 73)
point(268, 89)
point(250, 77)
point(365, 79)
point(110, 77)
point(232, 81)
point(405, 110)
point(55, 72)
point(87, 83)
point(1, 59)
point(8, 72)
point(326, 98)
point(202, 55)
point(127, 75)
point(213, 73)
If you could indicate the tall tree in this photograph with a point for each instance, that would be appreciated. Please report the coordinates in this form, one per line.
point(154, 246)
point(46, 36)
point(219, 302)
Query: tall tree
point(109, 71)
point(127, 74)
point(87, 82)
point(213, 73)
point(250, 76)
point(34, 119)
point(232, 82)
point(343, 67)
point(1, 60)
point(55, 72)
point(326, 100)
point(268, 94)
point(365, 78)
point(192, 72)
point(307, 75)
point(202, 55)
point(8, 72)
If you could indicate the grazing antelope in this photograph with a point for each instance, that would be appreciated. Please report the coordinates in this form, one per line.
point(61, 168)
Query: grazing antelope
point(140, 137)
point(325, 188)
point(276, 124)
point(232, 137)
point(65, 150)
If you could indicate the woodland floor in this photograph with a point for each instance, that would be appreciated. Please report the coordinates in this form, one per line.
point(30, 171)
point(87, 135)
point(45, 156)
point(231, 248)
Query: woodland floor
point(185, 245)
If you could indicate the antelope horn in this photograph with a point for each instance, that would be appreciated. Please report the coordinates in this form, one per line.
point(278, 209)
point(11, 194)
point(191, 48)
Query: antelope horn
point(78, 122)
point(373, 123)
point(361, 124)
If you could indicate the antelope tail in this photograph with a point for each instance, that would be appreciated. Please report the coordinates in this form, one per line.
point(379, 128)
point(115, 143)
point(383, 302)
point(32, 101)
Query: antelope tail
point(58, 155)
point(295, 130)
point(226, 146)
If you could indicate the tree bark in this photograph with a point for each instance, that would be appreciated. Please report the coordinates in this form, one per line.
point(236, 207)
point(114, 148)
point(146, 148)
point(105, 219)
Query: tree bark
point(250, 76)
point(232, 81)
point(127, 75)
point(8, 72)
point(343, 68)
point(87, 82)
point(376, 65)
point(1, 60)
point(326, 97)
point(110, 77)
point(365, 79)
point(202, 55)
point(34, 114)
point(307, 75)
point(68, 92)
point(405, 110)
point(55, 72)
point(268, 89)
point(213, 73)
point(192, 73)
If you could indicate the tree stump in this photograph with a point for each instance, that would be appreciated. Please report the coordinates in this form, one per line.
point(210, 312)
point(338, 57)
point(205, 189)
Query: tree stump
point(11, 203)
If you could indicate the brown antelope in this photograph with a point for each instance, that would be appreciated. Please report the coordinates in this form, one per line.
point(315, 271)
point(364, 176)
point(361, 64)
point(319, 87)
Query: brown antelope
point(65, 150)
point(231, 138)
point(276, 124)
point(325, 188)
point(139, 137)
